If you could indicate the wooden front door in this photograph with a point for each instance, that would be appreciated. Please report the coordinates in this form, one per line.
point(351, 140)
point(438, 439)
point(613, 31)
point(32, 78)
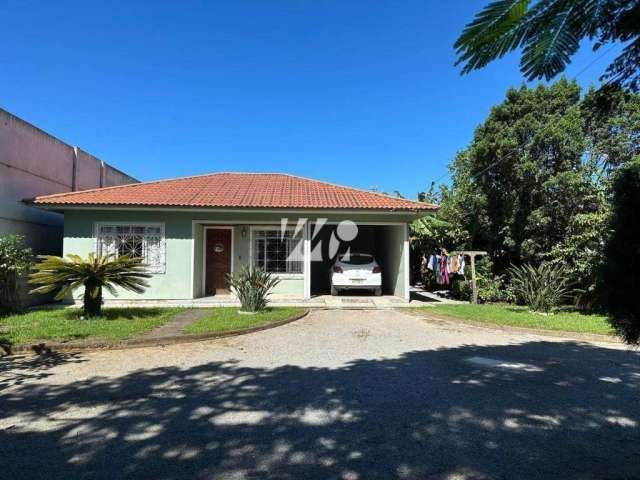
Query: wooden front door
point(217, 260)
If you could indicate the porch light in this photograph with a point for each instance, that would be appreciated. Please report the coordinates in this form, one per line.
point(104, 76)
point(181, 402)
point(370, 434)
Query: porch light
point(243, 232)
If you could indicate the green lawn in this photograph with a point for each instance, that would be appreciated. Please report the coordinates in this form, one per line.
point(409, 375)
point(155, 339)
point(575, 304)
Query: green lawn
point(62, 324)
point(522, 317)
point(226, 319)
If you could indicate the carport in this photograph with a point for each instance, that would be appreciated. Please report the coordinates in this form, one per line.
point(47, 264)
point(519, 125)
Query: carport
point(387, 242)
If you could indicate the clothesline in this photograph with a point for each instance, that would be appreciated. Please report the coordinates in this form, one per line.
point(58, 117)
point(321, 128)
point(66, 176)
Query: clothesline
point(444, 266)
point(454, 263)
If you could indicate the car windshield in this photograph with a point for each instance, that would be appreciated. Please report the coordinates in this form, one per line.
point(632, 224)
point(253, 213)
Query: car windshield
point(356, 259)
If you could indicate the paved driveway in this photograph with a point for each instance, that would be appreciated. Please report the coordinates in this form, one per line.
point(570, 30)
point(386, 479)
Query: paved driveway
point(339, 394)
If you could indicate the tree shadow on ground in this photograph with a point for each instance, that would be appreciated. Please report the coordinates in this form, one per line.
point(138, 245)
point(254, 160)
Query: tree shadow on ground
point(20, 369)
point(551, 410)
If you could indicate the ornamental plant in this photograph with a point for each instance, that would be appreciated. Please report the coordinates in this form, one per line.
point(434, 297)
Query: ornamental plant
point(252, 286)
point(541, 288)
point(15, 260)
point(63, 275)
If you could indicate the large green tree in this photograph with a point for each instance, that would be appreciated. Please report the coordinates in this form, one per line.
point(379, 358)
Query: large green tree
point(549, 32)
point(621, 272)
point(526, 163)
point(534, 184)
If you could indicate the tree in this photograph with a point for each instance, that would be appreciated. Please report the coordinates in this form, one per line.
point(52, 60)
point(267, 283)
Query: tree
point(15, 260)
point(621, 272)
point(525, 174)
point(56, 274)
point(534, 184)
point(549, 33)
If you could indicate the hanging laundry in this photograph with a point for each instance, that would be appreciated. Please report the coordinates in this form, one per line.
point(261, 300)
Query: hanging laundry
point(444, 269)
point(432, 262)
point(453, 264)
point(461, 264)
point(437, 269)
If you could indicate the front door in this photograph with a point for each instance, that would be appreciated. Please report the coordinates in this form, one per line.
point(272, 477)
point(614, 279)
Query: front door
point(217, 260)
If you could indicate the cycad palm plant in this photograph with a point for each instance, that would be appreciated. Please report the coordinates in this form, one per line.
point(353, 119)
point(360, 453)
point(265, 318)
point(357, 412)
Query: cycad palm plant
point(63, 275)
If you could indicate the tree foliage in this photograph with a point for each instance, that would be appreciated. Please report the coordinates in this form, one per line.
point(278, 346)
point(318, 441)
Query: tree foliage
point(549, 32)
point(63, 275)
point(534, 185)
point(621, 272)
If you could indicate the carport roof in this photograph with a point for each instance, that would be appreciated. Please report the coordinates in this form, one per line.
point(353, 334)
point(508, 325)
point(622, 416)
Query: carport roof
point(235, 190)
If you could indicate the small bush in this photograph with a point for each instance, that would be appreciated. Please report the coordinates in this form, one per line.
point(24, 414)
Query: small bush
point(542, 288)
point(15, 260)
point(252, 287)
point(491, 288)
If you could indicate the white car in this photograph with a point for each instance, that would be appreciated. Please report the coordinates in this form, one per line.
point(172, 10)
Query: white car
point(356, 271)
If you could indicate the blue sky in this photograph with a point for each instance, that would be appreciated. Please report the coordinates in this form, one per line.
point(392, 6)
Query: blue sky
point(353, 92)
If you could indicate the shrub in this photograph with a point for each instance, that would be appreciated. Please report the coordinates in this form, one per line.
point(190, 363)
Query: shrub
point(491, 288)
point(252, 286)
point(15, 260)
point(620, 276)
point(542, 288)
point(56, 274)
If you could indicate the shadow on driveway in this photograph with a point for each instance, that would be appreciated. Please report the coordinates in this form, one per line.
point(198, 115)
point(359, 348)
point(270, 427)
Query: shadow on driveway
point(426, 414)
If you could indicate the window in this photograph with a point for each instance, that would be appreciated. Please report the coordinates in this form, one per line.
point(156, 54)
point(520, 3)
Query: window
point(140, 241)
point(276, 251)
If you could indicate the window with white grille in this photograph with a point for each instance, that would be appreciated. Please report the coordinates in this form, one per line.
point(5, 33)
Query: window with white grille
point(145, 241)
point(277, 251)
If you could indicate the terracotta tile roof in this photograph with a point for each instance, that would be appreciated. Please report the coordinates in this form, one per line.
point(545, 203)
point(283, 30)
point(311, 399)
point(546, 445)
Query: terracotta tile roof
point(235, 190)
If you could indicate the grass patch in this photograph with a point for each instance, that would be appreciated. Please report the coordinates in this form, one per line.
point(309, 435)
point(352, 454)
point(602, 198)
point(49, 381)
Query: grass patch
point(521, 317)
point(63, 324)
point(227, 319)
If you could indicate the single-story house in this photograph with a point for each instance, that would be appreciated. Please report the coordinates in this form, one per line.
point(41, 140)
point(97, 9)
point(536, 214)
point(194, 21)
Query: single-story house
point(193, 231)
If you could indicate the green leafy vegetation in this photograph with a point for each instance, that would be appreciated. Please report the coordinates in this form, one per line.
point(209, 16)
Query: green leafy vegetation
point(252, 286)
point(516, 316)
point(63, 324)
point(541, 288)
point(621, 273)
point(491, 288)
point(535, 186)
point(15, 260)
point(549, 33)
point(64, 275)
point(227, 319)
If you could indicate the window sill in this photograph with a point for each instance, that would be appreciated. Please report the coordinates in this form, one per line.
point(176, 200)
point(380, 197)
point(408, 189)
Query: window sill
point(289, 276)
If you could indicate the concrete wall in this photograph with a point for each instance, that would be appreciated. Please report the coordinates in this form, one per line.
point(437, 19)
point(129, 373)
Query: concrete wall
point(33, 163)
point(390, 242)
point(182, 278)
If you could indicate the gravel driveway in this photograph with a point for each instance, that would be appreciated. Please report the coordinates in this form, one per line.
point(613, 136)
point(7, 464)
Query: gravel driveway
point(338, 394)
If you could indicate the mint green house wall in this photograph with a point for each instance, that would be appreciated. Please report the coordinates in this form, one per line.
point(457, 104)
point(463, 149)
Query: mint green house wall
point(184, 236)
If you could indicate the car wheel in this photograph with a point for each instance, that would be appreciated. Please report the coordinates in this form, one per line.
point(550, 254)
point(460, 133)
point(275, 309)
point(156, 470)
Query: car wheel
point(334, 291)
point(378, 292)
